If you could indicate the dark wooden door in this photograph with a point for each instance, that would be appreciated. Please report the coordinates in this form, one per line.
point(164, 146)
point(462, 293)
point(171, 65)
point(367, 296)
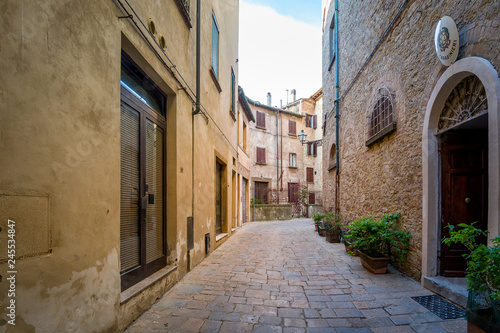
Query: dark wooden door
point(293, 192)
point(464, 167)
point(218, 198)
point(261, 192)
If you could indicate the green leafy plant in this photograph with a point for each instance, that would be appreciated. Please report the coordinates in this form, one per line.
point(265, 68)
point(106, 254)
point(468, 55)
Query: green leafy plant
point(333, 222)
point(318, 217)
point(378, 238)
point(483, 262)
point(256, 202)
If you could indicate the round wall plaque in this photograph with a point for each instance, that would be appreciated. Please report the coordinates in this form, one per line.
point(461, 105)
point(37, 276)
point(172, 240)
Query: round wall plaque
point(446, 40)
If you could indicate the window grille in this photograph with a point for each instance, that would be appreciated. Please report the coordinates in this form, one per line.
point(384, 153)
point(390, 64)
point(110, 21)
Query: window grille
point(382, 120)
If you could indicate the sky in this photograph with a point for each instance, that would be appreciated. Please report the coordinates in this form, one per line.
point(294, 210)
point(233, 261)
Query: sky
point(279, 48)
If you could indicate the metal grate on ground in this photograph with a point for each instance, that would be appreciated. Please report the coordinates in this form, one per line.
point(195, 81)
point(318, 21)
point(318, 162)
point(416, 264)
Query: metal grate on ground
point(440, 307)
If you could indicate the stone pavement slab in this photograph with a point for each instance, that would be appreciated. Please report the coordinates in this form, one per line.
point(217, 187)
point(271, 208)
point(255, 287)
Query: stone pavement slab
point(281, 276)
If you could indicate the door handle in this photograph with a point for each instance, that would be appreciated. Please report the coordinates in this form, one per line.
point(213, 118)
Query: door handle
point(467, 200)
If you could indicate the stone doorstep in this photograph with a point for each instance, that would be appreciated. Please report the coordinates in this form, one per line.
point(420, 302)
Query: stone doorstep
point(451, 288)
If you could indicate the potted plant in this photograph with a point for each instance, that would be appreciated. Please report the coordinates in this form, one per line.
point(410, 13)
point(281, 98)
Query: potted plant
point(483, 277)
point(317, 220)
point(332, 224)
point(374, 240)
point(349, 243)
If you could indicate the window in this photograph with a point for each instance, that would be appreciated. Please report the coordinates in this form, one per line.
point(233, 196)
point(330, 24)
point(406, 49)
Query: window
point(142, 175)
point(292, 127)
point(310, 175)
point(260, 193)
point(332, 161)
point(261, 119)
point(261, 155)
point(311, 121)
point(312, 148)
point(312, 198)
point(183, 6)
point(233, 84)
point(244, 136)
point(381, 119)
point(215, 47)
point(293, 160)
point(332, 41)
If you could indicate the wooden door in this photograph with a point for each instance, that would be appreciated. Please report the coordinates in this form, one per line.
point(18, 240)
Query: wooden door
point(244, 200)
point(218, 198)
point(293, 192)
point(261, 192)
point(464, 191)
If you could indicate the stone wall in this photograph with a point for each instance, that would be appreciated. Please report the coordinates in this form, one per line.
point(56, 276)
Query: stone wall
point(387, 176)
point(271, 212)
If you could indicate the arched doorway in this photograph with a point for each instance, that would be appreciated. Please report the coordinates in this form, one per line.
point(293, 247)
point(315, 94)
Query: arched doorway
point(460, 150)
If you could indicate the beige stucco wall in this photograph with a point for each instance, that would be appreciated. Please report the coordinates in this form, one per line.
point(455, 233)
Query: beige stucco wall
point(60, 141)
point(387, 177)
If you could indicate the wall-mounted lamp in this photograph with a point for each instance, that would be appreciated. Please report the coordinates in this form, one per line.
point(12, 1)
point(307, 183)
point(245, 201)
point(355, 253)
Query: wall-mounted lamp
point(302, 136)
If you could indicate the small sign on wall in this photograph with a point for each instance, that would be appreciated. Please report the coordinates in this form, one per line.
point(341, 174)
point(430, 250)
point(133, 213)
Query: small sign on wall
point(446, 40)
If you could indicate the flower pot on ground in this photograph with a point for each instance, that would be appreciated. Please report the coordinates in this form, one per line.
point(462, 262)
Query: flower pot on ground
point(333, 223)
point(322, 231)
point(379, 239)
point(318, 218)
point(483, 277)
point(349, 243)
point(376, 265)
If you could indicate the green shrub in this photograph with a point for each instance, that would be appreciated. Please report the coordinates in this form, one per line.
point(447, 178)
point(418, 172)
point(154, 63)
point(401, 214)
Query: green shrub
point(378, 237)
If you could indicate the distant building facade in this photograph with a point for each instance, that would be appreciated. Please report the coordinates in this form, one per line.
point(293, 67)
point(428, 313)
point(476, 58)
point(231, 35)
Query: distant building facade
point(416, 137)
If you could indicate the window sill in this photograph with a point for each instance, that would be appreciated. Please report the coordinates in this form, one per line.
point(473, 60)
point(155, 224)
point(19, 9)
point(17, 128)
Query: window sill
point(292, 167)
point(292, 134)
point(262, 128)
point(220, 236)
point(331, 167)
point(232, 115)
point(261, 163)
point(386, 131)
point(214, 78)
point(133, 291)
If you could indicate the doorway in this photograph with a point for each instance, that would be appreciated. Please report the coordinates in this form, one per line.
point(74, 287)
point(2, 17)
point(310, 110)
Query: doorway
point(464, 191)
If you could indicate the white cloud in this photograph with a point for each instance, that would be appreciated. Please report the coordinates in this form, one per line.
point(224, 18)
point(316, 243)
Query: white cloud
point(276, 53)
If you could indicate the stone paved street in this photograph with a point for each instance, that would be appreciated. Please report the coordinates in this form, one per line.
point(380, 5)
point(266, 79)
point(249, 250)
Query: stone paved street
point(283, 277)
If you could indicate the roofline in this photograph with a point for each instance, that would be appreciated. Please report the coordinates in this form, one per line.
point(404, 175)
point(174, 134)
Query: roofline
point(244, 103)
point(271, 108)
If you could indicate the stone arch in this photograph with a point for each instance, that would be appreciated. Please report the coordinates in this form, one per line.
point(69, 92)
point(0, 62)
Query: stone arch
point(483, 69)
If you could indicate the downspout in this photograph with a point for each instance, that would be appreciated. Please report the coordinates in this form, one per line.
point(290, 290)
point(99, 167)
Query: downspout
point(281, 152)
point(277, 158)
point(195, 112)
point(337, 111)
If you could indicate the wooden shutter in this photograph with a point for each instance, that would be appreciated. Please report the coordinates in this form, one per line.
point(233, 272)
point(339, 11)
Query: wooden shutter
point(309, 152)
point(310, 175)
point(315, 149)
point(314, 121)
point(312, 198)
point(261, 119)
point(292, 127)
point(261, 155)
point(308, 120)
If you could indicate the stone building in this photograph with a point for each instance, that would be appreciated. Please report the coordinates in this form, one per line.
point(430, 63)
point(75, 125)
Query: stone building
point(116, 182)
point(415, 136)
point(276, 165)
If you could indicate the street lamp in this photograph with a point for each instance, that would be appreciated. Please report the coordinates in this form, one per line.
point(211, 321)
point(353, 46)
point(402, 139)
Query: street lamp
point(302, 137)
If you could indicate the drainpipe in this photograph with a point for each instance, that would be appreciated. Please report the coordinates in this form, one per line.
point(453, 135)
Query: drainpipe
point(195, 112)
point(277, 159)
point(281, 151)
point(337, 106)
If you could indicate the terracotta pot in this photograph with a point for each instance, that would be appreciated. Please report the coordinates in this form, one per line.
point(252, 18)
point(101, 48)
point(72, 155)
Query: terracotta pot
point(374, 265)
point(333, 237)
point(322, 231)
point(350, 248)
point(315, 227)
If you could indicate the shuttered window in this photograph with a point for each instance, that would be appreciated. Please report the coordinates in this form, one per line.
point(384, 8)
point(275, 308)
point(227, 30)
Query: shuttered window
point(312, 149)
point(312, 198)
point(261, 155)
point(293, 160)
point(310, 175)
point(215, 46)
point(142, 177)
point(261, 119)
point(308, 120)
point(292, 127)
point(315, 121)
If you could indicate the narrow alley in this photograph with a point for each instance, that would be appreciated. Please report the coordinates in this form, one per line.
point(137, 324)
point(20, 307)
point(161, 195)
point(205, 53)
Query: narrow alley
point(283, 277)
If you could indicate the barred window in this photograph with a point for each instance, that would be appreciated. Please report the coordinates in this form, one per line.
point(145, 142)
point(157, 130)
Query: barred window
point(382, 120)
